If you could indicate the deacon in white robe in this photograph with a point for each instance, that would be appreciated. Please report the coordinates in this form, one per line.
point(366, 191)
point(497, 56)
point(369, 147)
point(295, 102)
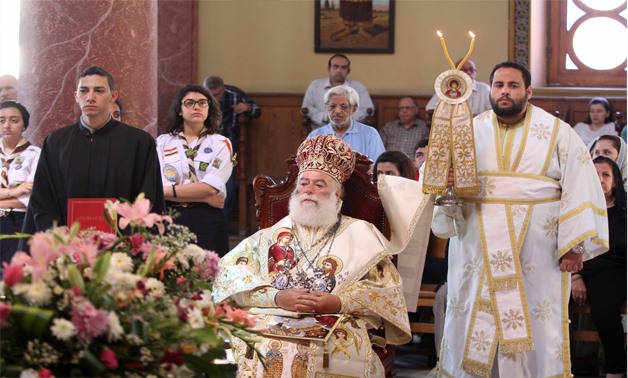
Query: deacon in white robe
point(539, 213)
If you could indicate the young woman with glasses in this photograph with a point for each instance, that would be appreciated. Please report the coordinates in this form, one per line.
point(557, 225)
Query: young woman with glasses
point(196, 162)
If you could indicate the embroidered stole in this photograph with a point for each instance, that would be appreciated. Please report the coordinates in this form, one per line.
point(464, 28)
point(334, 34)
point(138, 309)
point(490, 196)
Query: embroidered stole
point(22, 145)
point(190, 153)
point(500, 311)
point(451, 144)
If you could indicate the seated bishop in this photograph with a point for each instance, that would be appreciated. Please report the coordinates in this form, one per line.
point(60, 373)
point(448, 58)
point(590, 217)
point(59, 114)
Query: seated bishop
point(320, 282)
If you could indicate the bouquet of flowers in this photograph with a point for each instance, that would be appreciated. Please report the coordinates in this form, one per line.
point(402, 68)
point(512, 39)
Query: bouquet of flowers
point(136, 303)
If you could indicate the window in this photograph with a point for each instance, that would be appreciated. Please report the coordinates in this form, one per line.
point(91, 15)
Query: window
point(9, 40)
point(587, 43)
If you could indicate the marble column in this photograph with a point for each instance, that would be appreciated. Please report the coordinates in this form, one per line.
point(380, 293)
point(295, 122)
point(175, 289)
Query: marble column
point(60, 38)
point(177, 46)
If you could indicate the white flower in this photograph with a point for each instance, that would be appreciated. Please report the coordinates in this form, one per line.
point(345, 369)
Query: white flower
point(115, 330)
point(38, 293)
point(195, 318)
point(205, 301)
point(63, 329)
point(122, 280)
point(195, 253)
point(29, 373)
point(121, 262)
point(155, 287)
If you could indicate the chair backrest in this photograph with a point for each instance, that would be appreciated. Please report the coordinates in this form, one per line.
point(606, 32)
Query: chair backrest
point(361, 199)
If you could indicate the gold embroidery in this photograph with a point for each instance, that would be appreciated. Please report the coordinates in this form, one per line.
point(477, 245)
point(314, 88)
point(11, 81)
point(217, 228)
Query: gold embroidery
point(513, 318)
point(480, 341)
point(542, 310)
point(540, 131)
point(487, 186)
point(501, 260)
point(551, 226)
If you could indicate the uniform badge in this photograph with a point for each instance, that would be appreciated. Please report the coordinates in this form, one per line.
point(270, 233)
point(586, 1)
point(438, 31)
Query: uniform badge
point(202, 166)
point(19, 159)
point(207, 150)
point(170, 151)
point(216, 163)
point(170, 173)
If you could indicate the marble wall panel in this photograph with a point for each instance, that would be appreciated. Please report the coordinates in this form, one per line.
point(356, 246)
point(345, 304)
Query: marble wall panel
point(177, 49)
point(60, 38)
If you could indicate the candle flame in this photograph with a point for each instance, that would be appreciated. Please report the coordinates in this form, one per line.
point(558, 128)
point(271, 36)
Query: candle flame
point(471, 34)
point(439, 33)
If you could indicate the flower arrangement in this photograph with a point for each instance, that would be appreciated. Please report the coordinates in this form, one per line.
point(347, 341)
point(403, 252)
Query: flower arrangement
point(134, 303)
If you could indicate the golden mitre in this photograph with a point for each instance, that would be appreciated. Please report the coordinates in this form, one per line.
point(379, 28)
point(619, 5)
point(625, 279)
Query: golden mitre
point(328, 154)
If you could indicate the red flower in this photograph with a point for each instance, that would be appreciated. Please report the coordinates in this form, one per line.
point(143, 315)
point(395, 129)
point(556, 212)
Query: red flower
point(5, 310)
point(13, 274)
point(108, 357)
point(45, 373)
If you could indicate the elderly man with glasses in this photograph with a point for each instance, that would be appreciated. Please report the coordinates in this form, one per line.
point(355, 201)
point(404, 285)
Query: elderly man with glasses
point(341, 103)
point(404, 133)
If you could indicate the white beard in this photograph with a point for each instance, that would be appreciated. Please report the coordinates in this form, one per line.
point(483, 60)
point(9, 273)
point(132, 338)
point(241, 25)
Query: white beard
point(323, 213)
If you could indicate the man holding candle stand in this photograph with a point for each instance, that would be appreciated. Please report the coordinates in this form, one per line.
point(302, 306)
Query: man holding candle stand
point(537, 215)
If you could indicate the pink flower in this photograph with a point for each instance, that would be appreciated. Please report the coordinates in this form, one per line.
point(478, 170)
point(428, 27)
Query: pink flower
point(13, 274)
point(88, 320)
point(209, 268)
point(137, 241)
point(138, 214)
point(42, 252)
point(45, 373)
point(108, 357)
point(181, 280)
point(102, 240)
point(5, 310)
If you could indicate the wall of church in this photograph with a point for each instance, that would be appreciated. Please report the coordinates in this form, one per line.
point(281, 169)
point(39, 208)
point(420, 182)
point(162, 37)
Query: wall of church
point(268, 46)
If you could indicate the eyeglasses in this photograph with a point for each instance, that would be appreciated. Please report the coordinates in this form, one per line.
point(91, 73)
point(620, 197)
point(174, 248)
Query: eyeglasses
point(189, 103)
point(406, 108)
point(343, 107)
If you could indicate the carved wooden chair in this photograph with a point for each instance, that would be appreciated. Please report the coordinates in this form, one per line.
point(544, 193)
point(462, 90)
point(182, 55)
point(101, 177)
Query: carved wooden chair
point(361, 200)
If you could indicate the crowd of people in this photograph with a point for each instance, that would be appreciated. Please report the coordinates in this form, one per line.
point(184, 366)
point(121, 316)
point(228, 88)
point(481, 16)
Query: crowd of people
point(539, 218)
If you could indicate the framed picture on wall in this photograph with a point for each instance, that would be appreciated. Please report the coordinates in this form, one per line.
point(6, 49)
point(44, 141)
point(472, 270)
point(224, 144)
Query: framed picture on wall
point(354, 26)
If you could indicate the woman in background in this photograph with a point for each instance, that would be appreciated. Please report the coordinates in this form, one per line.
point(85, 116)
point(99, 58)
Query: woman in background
point(394, 163)
point(614, 148)
point(599, 121)
point(19, 161)
point(602, 280)
point(196, 163)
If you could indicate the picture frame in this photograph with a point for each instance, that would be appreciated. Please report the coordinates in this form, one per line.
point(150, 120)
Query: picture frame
point(342, 26)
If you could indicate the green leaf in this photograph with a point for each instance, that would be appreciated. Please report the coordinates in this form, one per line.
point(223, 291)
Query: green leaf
point(17, 235)
point(205, 365)
point(91, 364)
point(206, 336)
point(101, 266)
point(34, 321)
point(75, 277)
point(139, 328)
point(144, 269)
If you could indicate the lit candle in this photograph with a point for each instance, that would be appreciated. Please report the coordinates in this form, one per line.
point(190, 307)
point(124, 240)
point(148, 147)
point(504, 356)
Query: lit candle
point(463, 61)
point(442, 42)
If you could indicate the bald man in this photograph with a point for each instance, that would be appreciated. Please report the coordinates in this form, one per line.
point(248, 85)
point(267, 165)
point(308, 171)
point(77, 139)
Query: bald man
point(8, 88)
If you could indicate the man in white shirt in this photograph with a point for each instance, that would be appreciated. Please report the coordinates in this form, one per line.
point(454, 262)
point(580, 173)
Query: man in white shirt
point(339, 68)
point(479, 99)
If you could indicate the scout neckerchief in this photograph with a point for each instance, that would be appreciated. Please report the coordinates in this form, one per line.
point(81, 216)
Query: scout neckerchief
point(7, 160)
point(190, 153)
